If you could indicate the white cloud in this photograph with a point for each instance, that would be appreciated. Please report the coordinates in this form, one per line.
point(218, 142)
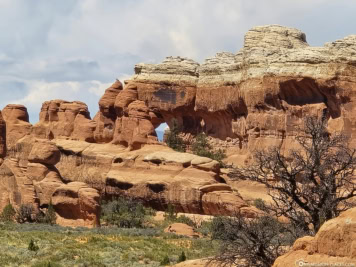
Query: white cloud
point(73, 49)
point(97, 88)
point(41, 91)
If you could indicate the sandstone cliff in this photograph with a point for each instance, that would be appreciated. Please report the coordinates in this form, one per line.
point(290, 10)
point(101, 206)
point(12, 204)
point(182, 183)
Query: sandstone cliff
point(250, 99)
point(259, 95)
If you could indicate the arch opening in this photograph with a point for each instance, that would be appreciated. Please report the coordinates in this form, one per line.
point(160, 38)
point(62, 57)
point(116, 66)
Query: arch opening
point(160, 131)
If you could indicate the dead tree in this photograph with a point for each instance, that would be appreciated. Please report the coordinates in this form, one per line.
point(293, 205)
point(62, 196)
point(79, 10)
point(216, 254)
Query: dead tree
point(308, 185)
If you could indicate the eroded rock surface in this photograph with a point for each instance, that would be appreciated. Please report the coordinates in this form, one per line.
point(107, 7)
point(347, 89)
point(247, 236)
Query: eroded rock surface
point(334, 244)
point(106, 117)
point(30, 177)
point(42, 172)
point(77, 204)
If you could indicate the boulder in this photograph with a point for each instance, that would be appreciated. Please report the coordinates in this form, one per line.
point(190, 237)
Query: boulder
point(182, 229)
point(334, 244)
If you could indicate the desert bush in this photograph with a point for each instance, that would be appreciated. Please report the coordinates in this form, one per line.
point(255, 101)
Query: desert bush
point(260, 204)
point(48, 217)
point(201, 147)
point(173, 138)
point(182, 257)
point(25, 213)
point(185, 220)
point(205, 228)
point(8, 213)
point(250, 243)
point(126, 213)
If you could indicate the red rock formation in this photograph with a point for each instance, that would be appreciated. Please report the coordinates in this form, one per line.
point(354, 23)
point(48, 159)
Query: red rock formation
point(17, 123)
point(192, 184)
point(334, 244)
point(252, 99)
point(32, 178)
point(2, 137)
point(62, 119)
point(258, 96)
point(16, 188)
point(106, 117)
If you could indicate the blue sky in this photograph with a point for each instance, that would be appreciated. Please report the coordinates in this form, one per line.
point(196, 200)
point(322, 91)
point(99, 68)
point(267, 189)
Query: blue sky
point(74, 49)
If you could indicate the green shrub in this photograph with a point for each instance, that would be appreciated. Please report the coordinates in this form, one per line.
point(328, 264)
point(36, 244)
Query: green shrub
point(173, 139)
point(32, 246)
point(182, 257)
point(125, 213)
point(201, 147)
point(165, 260)
point(8, 214)
point(260, 204)
point(205, 228)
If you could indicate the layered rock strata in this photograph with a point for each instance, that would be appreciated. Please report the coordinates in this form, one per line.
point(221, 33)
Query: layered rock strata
point(190, 183)
point(258, 96)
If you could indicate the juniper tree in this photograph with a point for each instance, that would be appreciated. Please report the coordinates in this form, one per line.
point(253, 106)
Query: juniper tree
point(173, 138)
